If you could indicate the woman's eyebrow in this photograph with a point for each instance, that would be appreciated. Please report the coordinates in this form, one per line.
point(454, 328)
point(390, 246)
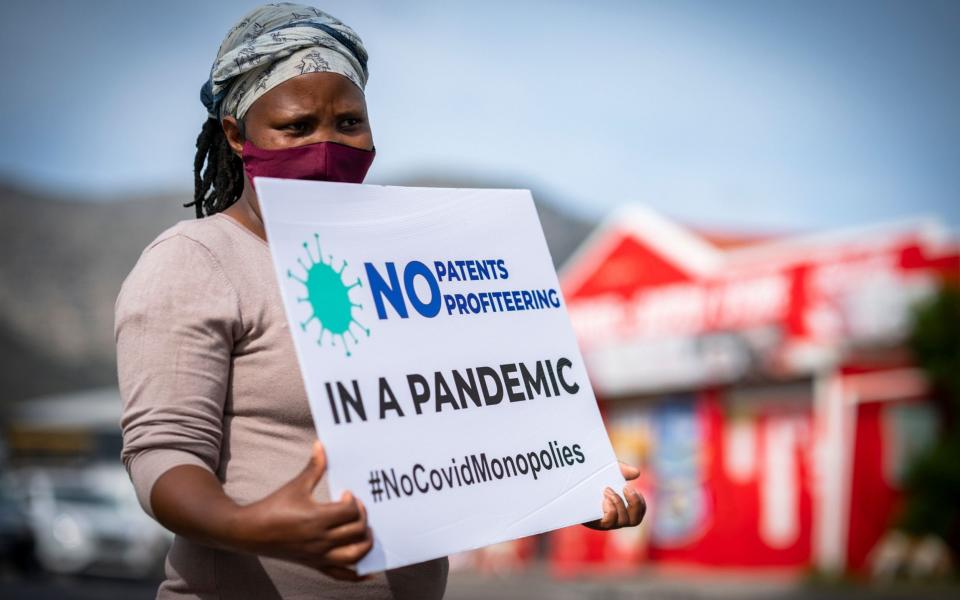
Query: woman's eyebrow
point(351, 108)
point(297, 114)
point(294, 115)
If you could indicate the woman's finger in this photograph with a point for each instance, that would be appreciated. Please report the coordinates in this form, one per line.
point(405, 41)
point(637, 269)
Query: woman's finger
point(332, 514)
point(622, 516)
point(350, 553)
point(636, 505)
point(617, 514)
point(348, 533)
point(363, 511)
point(592, 524)
point(609, 518)
point(629, 472)
point(316, 466)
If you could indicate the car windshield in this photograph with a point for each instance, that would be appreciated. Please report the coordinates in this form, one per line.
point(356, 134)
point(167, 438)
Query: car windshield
point(7, 497)
point(83, 495)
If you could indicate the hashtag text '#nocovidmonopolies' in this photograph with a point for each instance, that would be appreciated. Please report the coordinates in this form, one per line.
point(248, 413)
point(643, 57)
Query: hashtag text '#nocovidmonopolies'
point(388, 484)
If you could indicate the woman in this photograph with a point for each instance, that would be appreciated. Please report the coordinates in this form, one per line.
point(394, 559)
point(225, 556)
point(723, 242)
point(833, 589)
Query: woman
point(216, 425)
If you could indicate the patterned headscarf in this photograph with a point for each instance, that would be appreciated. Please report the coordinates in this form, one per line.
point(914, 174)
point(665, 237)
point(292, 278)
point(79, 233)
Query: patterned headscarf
point(274, 43)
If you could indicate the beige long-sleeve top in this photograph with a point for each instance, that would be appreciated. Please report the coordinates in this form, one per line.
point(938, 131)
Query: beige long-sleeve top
point(208, 377)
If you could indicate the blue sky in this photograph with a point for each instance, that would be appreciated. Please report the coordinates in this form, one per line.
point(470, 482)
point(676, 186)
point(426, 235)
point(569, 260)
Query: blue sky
point(765, 115)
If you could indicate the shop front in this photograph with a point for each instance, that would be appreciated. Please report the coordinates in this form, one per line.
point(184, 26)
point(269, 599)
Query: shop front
point(763, 386)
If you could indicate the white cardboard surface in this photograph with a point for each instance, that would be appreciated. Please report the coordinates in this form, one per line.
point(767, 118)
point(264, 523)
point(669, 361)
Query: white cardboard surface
point(363, 224)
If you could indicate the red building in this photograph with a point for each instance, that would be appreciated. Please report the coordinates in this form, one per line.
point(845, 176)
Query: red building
point(762, 385)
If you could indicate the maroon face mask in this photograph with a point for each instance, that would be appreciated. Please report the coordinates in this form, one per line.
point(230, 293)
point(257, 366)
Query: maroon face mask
point(322, 161)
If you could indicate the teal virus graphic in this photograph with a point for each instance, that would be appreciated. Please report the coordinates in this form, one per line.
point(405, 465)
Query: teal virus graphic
point(328, 297)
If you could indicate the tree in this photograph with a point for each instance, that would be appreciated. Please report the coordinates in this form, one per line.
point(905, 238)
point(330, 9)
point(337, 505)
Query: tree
point(932, 484)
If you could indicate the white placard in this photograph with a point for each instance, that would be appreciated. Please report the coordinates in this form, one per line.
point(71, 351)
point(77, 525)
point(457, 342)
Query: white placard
point(440, 364)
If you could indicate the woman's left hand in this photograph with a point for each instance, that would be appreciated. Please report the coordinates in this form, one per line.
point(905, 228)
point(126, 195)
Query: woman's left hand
point(616, 514)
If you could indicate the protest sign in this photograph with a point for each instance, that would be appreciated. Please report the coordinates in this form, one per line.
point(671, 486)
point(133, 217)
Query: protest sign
point(439, 361)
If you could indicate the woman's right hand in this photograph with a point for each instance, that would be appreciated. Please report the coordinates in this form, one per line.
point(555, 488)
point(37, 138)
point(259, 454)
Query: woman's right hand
point(291, 524)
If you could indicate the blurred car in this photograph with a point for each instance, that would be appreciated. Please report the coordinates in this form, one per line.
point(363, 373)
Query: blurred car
point(87, 520)
point(16, 534)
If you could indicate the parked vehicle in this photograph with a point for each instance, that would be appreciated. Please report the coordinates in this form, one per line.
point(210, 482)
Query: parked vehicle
point(16, 534)
point(87, 520)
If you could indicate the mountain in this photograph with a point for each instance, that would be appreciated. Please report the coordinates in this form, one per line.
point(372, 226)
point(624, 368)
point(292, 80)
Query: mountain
point(62, 262)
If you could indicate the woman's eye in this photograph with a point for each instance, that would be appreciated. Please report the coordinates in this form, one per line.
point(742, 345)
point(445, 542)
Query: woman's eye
point(298, 127)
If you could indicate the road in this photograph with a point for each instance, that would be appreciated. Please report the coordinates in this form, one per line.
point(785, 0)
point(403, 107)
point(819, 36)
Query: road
point(536, 585)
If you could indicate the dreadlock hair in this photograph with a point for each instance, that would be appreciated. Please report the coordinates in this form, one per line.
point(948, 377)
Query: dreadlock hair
point(217, 171)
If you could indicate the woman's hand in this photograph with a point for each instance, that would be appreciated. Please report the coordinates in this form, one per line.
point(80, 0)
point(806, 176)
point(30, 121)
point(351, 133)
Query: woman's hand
point(291, 524)
point(615, 513)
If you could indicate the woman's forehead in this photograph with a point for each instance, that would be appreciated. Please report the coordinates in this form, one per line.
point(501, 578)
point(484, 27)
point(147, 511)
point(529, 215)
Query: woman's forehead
point(311, 92)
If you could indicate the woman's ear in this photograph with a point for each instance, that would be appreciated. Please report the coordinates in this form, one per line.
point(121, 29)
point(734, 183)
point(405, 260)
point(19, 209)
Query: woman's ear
point(234, 134)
